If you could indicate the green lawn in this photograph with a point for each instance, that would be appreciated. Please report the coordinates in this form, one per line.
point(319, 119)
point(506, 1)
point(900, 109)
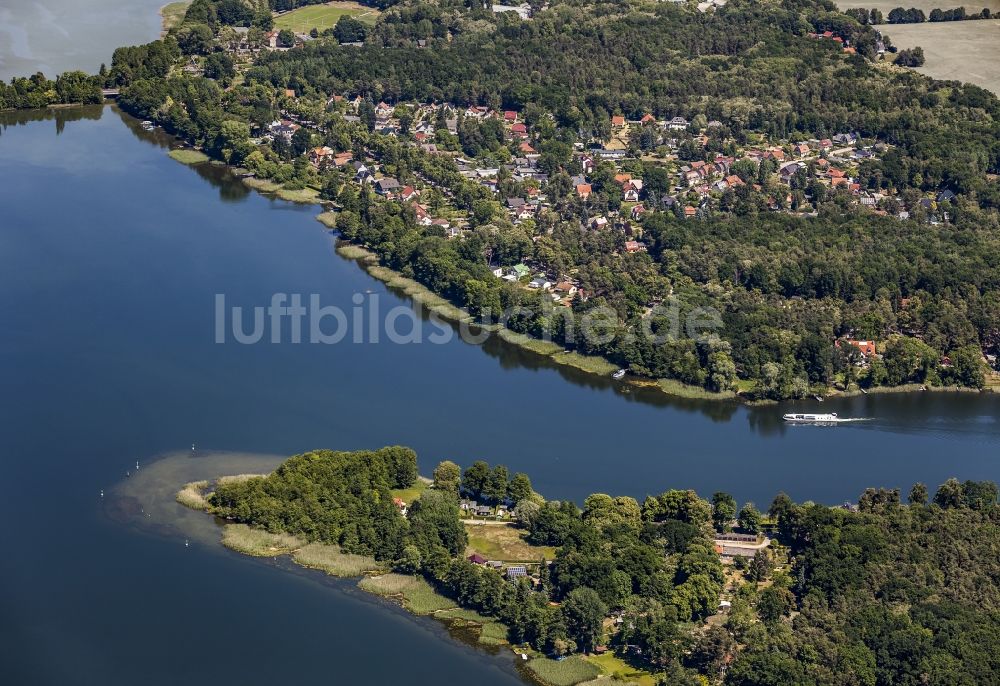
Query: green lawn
point(408, 495)
point(304, 19)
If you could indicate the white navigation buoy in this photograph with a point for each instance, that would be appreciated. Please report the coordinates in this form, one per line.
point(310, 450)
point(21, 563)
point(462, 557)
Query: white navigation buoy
point(137, 465)
point(192, 447)
point(102, 492)
point(186, 545)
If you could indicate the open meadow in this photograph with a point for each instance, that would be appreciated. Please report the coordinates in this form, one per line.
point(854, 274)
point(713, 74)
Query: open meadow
point(305, 19)
point(505, 542)
point(955, 50)
point(926, 5)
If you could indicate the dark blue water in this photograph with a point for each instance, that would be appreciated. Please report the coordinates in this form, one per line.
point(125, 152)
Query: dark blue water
point(111, 256)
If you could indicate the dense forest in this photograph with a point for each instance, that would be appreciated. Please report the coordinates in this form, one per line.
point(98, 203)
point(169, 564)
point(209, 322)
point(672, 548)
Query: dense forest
point(884, 593)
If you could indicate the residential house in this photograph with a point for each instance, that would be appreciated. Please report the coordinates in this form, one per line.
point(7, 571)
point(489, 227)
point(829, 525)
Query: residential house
point(678, 124)
point(320, 155)
point(867, 348)
point(565, 288)
point(387, 186)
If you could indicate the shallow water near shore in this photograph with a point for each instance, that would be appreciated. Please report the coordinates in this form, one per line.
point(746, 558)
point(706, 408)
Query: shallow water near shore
point(111, 255)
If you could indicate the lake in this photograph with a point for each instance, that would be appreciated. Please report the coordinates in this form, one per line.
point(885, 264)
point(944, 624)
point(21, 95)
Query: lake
point(111, 257)
point(54, 36)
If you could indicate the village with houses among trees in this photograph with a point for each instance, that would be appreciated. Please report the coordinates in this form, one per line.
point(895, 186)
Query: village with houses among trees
point(680, 589)
point(765, 161)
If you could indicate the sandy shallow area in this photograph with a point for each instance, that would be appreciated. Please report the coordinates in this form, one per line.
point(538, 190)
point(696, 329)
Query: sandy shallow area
point(147, 499)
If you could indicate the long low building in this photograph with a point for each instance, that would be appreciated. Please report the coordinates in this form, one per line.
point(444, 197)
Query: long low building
point(731, 546)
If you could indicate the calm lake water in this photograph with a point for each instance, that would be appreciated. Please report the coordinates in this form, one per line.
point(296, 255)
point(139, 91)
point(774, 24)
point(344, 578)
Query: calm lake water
point(54, 36)
point(111, 256)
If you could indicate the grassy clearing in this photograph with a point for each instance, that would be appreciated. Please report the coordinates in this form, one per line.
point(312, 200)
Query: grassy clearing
point(504, 542)
point(572, 670)
point(416, 594)
point(192, 495)
point(256, 542)
point(173, 14)
point(330, 559)
point(408, 495)
point(188, 156)
point(327, 219)
point(612, 666)
point(305, 19)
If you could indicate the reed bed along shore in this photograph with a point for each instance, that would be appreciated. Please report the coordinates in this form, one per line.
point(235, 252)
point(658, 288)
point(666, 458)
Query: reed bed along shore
point(193, 496)
point(332, 560)
point(257, 542)
point(413, 592)
point(188, 156)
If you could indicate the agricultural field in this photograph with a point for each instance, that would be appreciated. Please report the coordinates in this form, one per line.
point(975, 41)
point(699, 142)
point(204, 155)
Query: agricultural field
point(321, 17)
point(955, 50)
point(926, 5)
point(504, 542)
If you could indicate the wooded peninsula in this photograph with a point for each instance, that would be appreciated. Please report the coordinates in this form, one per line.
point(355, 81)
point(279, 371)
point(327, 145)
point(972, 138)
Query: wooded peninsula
point(675, 590)
point(765, 162)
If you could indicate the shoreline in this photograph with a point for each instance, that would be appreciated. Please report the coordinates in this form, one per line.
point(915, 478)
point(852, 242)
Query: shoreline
point(410, 594)
point(166, 20)
point(597, 367)
point(594, 366)
point(147, 503)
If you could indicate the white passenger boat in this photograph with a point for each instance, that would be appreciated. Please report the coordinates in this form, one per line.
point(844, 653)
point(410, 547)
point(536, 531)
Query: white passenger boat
point(805, 418)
